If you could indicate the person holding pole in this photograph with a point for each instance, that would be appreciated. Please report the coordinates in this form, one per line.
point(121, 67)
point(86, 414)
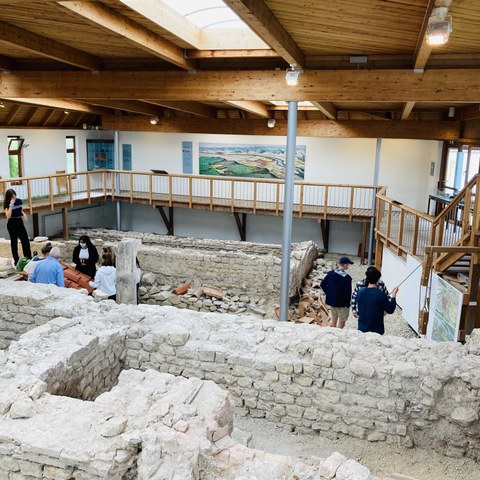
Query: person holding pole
point(373, 303)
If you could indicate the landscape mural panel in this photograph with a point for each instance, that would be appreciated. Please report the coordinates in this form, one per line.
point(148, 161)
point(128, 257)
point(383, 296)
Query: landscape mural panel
point(252, 161)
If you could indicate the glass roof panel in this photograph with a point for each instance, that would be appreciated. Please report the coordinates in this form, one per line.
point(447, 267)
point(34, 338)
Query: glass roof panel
point(207, 13)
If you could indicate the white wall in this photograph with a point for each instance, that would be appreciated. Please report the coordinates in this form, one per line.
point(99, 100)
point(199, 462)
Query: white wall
point(404, 170)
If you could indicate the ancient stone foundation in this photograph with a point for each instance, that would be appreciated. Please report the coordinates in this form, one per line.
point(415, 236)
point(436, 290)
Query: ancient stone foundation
point(407, 392)
point(242, 267)
point(70, 410)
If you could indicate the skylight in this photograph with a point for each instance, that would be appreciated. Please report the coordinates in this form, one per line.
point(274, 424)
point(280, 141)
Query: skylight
point(207, 14)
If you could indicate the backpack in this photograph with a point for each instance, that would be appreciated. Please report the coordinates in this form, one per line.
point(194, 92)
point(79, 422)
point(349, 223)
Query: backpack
point(22, 263)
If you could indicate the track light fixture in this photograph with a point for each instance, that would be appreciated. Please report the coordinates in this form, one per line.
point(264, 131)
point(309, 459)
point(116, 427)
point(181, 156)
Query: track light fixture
point(439, 25)
point(292, 74)
point(66, 112)
point(154, 120)
point(271, 122)
point(2, 105)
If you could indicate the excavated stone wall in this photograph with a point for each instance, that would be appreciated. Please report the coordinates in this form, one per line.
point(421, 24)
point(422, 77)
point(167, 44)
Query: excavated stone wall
point(408, 392)
point(240, 267)
point(150, 425)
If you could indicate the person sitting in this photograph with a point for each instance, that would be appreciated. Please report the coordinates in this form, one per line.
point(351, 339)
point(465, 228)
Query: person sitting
point(85, 256)
point(49, 270)
point(105, 278)
point(363, 284)
point(337, 286)
point(372, 303)
point(33, 263)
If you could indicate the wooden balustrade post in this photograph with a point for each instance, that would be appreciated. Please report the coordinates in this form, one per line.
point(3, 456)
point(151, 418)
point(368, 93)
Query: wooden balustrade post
point(89, 195)
point(389, 222)
point(70, 189)
point(211, 193)
point(50, 189)
point(170, 191)
point(325, 203)
point(352, 193)
point(232, 196)
point(400, 230)
point(415, 235)
point(29, 190)
point(300, 208)
point(190, 188)
point(277, 208)
point(150, 188)
point(255, 197)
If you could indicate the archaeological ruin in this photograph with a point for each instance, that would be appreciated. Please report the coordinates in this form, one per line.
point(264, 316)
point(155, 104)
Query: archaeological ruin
point(95, 390)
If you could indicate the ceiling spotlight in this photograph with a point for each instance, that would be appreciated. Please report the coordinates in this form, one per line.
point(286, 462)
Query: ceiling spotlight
point(271, 122)
point(292, 74)
point(154, 120)
point(439, 26)
point(2, 105)
point(451, 112)
point(66, 112)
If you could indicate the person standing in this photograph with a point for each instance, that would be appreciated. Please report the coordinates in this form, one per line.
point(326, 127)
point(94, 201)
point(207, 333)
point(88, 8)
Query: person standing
point(337, 286)
point(105, 278)
point(364, 284)
point(85, 256)
point(49, 270)
point(372, 303)
point(12, 206)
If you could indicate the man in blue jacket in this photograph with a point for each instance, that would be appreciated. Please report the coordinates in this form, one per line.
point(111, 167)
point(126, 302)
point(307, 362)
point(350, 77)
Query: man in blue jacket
point(49, 271)
point(337, 286)
point(372, 304)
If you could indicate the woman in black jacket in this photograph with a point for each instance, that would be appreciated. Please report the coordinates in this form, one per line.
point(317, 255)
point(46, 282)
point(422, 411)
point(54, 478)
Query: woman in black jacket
point(12, 206)
point(85, 256)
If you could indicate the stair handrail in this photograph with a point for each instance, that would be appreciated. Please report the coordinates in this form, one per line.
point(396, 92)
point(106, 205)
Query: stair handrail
point(457, 199)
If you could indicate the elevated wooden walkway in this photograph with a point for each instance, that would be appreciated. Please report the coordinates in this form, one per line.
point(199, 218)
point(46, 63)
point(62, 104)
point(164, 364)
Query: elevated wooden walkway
point(237, 196)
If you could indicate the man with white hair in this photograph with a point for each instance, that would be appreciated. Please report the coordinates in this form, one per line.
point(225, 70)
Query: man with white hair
point(49, 271)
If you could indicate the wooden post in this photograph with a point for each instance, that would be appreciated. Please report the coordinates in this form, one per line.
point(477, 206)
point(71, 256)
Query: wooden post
point(211, 193)
point(415, 235)
point(254, 197)
point(29, 190)
point(65, 223)
point(232, 196)
point(50, 188)
point(70, 190)
point(104, 178)
point(170, 188)
point(89, 195)
point(131, 187)
point(400, 230)
point(190, 180)
point(277, 208)
point(325, 229)
point(300, 208)
point(325, 203)
point(389, 222)
point(352, 193)
point(150, 188)
point(364, 243)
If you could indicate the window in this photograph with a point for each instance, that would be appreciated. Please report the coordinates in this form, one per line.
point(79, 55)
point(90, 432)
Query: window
point(15, 145)
point(463, 162)
point(71, 150)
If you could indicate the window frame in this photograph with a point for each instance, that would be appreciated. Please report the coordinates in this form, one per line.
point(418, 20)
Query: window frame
point(73, 151)
point(16, 152)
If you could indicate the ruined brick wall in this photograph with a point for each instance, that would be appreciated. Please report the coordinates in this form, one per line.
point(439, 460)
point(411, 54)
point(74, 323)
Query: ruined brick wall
point(242, 267)
point(150, 425)
point(408, 392)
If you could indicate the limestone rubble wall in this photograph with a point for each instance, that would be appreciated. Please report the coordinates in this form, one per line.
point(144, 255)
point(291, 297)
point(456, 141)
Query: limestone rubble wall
point(149, 425)
point(240, 267)
point(407, 392)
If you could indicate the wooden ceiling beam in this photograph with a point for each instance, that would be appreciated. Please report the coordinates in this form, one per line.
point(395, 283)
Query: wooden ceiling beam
point(30, 115)
point(257, 15)
point(252, 53)
point(407, 110)
point(472, 112)
point(6, 63)
point(47, 47)
point(194, 108)
point(63, 105)
point(327, 108)
point(423, 49)
point(169, 19)
point(133, 106)
point(436, 85)
point(47, 117)
point(427, 130)
point(256, 108)
point(12, 115)
point(99, 14)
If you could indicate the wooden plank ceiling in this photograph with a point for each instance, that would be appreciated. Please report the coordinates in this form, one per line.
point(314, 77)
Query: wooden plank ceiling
point(118, 63)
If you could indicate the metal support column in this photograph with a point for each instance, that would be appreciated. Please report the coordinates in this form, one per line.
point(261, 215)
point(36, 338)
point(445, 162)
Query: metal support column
point(287, 209)
point(117, 179)
point(374, 201)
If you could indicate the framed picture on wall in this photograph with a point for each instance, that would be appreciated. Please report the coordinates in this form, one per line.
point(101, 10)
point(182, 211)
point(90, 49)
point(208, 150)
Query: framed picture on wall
point(100, 155)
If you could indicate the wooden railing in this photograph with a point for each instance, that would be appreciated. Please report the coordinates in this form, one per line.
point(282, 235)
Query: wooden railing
point(193, 191)
point(407, 230)
point(457, 225)
point(404, 229)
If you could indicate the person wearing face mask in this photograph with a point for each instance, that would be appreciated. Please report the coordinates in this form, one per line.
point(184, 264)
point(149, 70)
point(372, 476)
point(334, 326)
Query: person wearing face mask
point(85, 256)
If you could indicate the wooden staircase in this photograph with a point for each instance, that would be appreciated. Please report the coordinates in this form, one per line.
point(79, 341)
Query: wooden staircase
point(454, 252)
